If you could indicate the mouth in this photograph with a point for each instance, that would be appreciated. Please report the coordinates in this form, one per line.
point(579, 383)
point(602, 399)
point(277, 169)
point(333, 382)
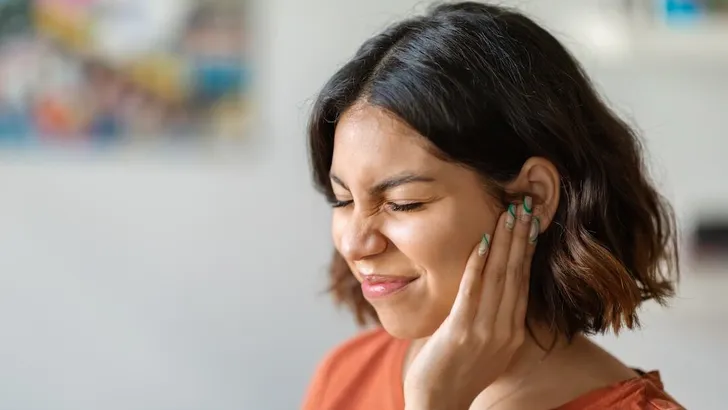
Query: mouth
point(378, 286)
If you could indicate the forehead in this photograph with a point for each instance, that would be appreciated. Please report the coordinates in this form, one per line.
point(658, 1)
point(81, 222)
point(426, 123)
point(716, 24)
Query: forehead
point(371, 139)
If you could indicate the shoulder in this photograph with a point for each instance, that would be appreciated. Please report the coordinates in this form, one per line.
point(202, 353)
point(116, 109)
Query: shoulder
point(645, 392)
point(369, 354)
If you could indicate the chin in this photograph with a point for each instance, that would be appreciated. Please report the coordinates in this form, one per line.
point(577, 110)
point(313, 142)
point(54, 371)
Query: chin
point(408, 326)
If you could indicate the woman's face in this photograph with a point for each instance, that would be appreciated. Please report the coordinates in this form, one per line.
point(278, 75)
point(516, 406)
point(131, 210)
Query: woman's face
point(405, 221)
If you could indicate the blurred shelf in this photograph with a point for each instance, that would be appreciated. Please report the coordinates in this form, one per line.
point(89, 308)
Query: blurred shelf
point(706, 41)
point(620, 43)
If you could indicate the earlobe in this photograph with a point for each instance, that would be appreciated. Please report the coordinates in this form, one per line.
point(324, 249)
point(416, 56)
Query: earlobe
point(540, 179)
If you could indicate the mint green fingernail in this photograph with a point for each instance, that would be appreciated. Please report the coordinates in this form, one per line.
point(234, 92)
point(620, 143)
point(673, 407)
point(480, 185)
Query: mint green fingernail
point(511, 217)
point(484, 244)
point(535, 230)
point(528, 204)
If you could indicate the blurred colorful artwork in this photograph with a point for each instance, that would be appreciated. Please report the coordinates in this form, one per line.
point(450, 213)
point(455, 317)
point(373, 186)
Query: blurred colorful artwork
point(122, 71)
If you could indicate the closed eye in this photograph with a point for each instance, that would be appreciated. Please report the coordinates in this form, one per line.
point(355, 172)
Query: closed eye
point(408, 207)
point(340, 204)
point(395, 207)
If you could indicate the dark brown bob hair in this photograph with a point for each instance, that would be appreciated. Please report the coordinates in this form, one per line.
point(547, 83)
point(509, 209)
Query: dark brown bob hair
point(490, 88)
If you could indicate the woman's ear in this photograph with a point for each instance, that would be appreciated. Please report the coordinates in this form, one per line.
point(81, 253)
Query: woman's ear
point(540, 179)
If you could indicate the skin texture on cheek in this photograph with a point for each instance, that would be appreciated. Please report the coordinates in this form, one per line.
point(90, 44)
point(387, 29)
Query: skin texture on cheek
point(437, 243)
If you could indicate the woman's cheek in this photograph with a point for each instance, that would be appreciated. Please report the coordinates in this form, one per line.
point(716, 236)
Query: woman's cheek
point(440, 241)
point(428, 240)
point(337, 227)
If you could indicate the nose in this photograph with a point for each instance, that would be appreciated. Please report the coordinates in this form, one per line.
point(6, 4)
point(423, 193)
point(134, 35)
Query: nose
point(359, 238)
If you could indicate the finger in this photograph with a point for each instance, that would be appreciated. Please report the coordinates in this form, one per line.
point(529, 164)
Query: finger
point(521, 308)
point(512, 290)
point(466, 301)
point(495, 269)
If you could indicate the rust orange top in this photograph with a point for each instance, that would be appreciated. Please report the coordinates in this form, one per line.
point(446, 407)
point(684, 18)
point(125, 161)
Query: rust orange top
point(365, 373)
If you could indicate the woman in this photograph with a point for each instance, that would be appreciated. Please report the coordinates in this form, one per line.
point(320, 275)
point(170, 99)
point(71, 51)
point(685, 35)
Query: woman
point(490, 212)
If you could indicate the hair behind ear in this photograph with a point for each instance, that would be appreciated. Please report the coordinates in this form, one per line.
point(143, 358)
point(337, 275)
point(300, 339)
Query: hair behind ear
point(611, 247)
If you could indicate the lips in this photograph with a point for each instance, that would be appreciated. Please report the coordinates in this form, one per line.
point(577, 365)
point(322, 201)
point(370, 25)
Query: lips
point(377, 286)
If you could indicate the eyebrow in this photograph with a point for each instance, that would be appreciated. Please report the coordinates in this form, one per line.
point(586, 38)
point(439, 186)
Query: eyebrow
point(388, 183)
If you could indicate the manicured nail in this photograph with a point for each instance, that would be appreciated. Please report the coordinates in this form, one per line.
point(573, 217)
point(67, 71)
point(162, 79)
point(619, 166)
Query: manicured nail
point(511, 217)
point(535, 230)
point(527, 205)
point(484, 244)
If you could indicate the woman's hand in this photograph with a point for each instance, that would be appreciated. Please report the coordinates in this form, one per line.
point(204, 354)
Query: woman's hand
point(486, 325)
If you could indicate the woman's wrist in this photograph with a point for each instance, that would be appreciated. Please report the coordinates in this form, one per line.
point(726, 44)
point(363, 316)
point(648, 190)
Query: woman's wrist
point(423, 405)
point(432, 403)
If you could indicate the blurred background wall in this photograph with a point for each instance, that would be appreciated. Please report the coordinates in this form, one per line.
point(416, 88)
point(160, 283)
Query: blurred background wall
point(194, 280)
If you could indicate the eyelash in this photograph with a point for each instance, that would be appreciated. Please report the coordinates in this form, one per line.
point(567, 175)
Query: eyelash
point(340, 204)
point(412, 206)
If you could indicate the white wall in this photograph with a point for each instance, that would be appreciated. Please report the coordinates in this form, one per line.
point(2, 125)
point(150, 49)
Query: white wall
point(183, 282)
